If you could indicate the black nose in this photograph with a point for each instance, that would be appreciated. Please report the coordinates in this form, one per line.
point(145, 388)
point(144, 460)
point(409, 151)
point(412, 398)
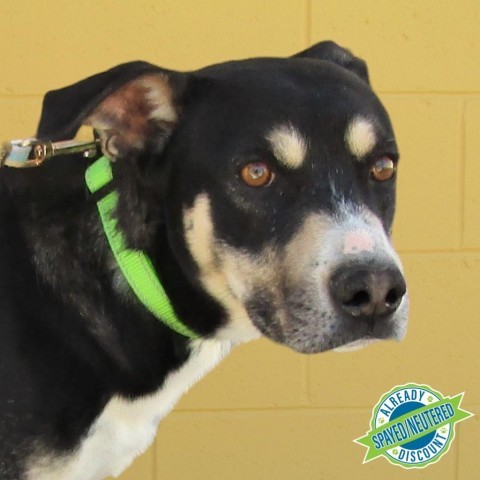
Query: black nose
point(367, 291)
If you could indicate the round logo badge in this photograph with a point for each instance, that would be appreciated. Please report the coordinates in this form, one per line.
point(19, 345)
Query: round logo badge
point(412, 426)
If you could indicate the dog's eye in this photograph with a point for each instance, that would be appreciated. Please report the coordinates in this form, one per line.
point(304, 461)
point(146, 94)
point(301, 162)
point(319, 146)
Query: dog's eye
point(257, 174)
point(383, 169)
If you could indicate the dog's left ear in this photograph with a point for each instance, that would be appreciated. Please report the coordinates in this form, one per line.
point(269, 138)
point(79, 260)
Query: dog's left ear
point(130, 106)
point(331, 52)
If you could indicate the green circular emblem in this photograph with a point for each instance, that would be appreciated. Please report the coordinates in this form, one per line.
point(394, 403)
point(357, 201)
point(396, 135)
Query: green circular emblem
point(412, 426)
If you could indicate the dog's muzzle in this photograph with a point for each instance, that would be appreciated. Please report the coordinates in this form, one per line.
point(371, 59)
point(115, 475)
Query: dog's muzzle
point(343, 286)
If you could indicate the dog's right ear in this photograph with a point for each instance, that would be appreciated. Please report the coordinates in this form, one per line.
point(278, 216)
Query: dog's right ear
point(332, 52)
point(130, 106)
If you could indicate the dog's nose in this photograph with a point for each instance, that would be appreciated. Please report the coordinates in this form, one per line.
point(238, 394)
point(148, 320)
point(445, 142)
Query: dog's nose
point(367, 291)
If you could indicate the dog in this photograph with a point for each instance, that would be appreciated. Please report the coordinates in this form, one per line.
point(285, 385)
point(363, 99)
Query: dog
point(260, 194)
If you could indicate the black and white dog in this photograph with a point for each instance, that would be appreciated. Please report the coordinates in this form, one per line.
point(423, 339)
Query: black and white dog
point(263, 192)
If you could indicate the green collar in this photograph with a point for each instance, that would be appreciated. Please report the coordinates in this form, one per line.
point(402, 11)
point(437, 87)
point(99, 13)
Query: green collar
point(135, 265)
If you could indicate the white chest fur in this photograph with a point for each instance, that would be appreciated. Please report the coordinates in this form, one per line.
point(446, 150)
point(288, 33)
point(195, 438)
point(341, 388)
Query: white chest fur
point(126, 428)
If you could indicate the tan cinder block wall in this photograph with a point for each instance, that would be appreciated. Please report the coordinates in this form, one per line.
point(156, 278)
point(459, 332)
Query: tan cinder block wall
point(267, 413)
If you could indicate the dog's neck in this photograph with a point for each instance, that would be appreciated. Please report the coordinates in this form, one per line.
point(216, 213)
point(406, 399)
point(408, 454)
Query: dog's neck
point(72, 260)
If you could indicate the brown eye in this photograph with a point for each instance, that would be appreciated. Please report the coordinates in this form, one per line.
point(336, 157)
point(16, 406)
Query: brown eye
point(257, 174)
point(383, 169)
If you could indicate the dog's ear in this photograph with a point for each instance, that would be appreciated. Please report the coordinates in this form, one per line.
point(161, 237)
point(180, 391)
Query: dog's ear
point(129, 106)
point(331, 52)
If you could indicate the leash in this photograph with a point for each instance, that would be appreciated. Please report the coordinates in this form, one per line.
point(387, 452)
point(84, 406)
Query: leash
point(32, 152)
point(135, 265)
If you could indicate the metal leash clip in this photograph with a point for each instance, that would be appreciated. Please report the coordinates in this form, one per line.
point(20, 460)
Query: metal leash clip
point(32, 152)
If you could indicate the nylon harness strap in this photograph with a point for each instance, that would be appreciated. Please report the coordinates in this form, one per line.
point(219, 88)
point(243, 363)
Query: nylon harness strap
point(135, 265)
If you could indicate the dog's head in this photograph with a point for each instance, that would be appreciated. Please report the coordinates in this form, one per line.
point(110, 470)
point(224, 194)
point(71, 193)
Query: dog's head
point(278, 188)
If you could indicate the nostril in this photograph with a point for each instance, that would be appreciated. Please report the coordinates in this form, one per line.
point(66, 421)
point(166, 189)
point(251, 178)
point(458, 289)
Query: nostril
point(359, 299)
point(393, 297)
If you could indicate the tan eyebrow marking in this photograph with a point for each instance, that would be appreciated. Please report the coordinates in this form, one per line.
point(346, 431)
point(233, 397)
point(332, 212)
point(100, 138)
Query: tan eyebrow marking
point(288, 145)
point(360, 137)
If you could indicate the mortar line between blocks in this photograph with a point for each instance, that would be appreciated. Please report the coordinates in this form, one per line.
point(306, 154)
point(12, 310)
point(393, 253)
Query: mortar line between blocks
point(308, 22)
point(272, 409)
point(457, 454)
point(20, 96)
point(154, 462)
point(440, 93)
point(463, 251)
point(308, 381)
point(463, 162)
